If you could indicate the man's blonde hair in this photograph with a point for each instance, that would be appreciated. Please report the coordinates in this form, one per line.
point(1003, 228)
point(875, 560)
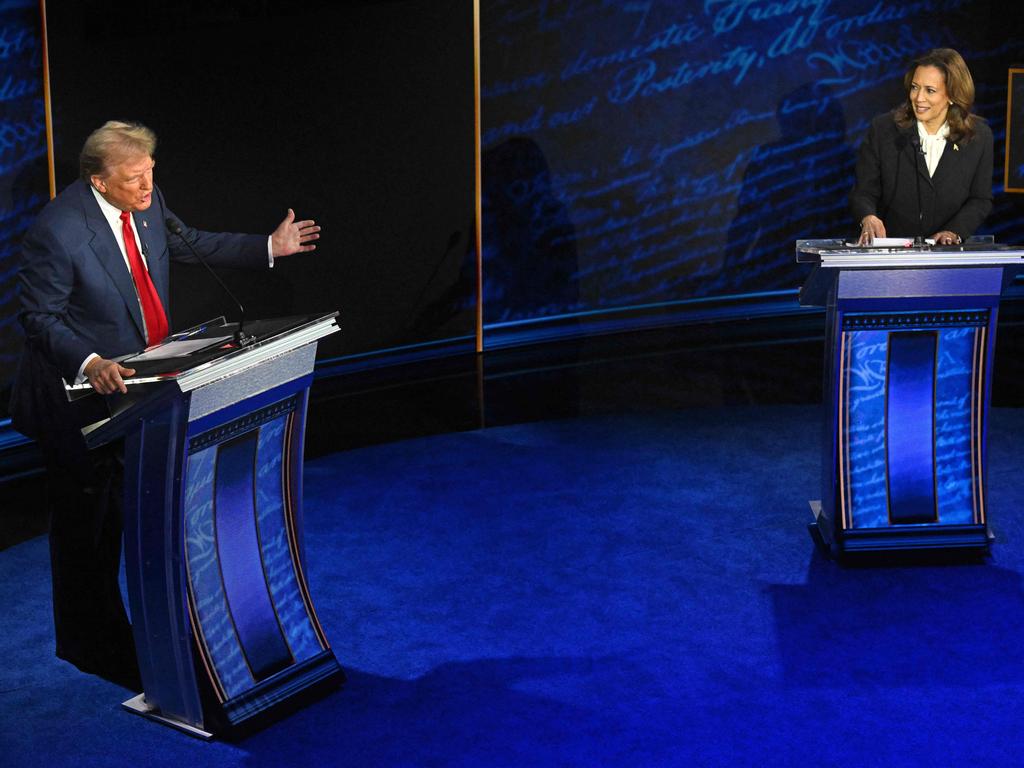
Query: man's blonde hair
point(112, 142)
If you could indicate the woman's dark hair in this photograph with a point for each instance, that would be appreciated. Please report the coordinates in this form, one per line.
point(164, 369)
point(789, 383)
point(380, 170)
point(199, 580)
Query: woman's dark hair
point(959, 89)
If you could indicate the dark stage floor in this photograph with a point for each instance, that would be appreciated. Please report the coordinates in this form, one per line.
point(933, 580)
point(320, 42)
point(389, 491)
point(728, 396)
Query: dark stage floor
point(605, 590)
point(616, 571)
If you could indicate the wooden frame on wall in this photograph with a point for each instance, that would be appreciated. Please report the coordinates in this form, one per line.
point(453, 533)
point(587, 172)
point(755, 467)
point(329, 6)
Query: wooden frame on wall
point(46, 99)
point(1014, 182)
point(478, 182)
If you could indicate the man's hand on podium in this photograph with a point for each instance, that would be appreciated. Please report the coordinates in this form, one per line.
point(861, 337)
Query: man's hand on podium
point(106, 376)
point(293, 236)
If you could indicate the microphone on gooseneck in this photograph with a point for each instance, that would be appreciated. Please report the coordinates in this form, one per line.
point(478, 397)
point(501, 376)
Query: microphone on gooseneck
point(915, 142)
point(241, 337)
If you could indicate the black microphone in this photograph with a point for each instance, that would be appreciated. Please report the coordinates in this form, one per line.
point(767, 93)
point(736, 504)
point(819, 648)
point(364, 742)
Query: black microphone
point(915, 142)
point(241, 337)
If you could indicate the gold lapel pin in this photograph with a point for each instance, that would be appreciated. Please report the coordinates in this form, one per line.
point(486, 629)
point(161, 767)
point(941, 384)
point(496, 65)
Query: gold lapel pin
point(956, 147)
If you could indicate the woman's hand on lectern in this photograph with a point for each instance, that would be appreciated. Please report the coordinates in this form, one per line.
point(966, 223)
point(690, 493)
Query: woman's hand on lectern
point(946, 238)
point(870, 227)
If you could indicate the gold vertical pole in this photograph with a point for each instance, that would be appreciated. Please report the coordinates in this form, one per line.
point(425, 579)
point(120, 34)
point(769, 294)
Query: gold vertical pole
point(479, 215)
point(478, 181)
point(46, 100)
point(1009, 116)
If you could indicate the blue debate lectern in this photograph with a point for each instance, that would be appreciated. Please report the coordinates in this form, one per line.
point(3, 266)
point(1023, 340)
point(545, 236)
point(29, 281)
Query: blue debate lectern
point(224, 624)
point(910, 339)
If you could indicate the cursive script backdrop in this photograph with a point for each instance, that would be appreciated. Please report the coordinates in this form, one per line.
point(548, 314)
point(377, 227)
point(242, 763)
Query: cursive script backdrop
point(23, 174)
point(654, 156)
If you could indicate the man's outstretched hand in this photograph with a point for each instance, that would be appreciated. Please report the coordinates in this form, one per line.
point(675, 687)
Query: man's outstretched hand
point(106, 376)
point(293, 236)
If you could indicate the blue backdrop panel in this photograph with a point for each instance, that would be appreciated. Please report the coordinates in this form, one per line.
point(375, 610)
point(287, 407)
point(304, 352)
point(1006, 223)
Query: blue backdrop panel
point(640, 156)
point(23, 172)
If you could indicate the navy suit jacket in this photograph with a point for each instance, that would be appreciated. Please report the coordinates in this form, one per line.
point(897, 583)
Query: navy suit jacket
point(889, 169)
point(77, 295)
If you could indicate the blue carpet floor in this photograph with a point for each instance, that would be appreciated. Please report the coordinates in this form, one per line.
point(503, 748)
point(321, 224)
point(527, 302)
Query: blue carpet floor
point(634, 590)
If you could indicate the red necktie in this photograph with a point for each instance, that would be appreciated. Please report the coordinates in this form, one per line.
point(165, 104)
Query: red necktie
point(152, 310)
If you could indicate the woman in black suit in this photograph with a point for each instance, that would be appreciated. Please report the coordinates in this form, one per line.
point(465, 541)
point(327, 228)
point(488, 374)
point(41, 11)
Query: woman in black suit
point(925, 169)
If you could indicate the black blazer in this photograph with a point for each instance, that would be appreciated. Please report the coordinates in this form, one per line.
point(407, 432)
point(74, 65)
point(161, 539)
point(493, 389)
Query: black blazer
point(957, 198)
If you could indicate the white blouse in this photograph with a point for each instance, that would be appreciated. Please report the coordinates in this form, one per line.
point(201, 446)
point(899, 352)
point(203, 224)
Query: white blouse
point(932, 145)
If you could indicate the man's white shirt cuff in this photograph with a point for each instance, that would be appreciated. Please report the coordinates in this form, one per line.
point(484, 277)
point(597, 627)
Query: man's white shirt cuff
point(81, 378)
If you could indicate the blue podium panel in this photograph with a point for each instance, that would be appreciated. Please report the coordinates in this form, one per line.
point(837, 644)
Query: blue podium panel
point(252, 616)
point(909, 451)
point(910, 427)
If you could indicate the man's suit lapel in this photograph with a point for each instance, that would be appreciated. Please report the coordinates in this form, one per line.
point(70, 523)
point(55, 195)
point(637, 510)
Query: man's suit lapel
point(105, 248)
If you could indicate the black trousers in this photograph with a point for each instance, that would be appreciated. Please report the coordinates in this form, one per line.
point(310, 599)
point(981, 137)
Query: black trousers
point(85, 499)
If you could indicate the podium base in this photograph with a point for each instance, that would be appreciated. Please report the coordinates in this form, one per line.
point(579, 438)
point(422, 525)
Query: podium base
point(137, 705)
point(970, 539)
point(820, 530)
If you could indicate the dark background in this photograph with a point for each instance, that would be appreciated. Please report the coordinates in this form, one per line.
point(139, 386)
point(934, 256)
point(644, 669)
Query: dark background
point(1014, 169)
point(356, 114)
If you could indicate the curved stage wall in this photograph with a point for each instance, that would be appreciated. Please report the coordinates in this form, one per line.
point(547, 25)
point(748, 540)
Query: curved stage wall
point(642, 163)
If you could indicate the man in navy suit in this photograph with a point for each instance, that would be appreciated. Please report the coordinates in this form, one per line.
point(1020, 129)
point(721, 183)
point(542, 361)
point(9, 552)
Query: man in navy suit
point(94, 285)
